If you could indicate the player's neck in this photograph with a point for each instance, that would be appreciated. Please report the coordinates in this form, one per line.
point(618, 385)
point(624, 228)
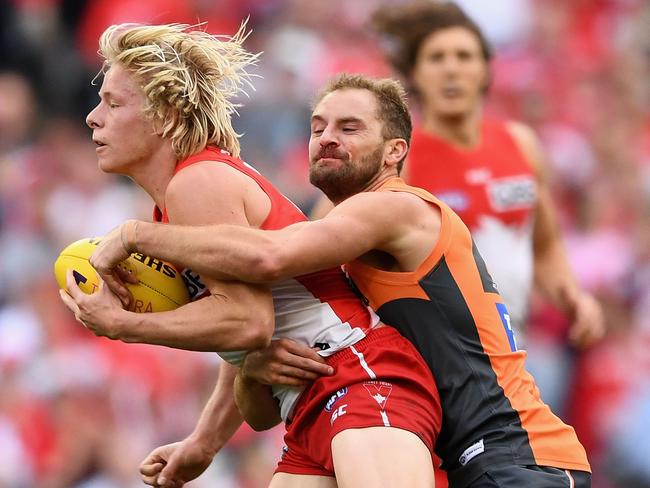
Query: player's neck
point(155, 174)
point(380, 179)
point(462, 131)
point(373, 184)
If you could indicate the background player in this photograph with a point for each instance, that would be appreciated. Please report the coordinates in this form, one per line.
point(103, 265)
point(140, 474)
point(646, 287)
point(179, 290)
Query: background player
point(164, 120)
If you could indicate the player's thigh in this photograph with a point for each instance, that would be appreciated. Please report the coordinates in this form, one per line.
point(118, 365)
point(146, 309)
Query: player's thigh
point(381, 457)
point(288, 480)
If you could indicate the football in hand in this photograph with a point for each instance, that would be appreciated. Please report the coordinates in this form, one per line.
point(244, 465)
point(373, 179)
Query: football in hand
point(160, 287)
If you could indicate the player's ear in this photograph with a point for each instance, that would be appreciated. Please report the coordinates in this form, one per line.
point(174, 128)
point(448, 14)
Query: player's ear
point(396, 150)
point(158, 126)
point(160, 123)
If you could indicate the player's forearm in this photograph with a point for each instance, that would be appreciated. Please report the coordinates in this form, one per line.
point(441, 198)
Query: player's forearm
point(259, 256)
point(220, 417)
point(256, 404)
point(553, 275)
point(213, 323)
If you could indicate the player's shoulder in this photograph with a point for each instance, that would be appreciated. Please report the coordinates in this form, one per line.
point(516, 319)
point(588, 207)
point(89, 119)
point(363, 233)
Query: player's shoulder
point(527, 141)
point(390, 205)
point(520, 131)
point(214, 177)
point(204, 188)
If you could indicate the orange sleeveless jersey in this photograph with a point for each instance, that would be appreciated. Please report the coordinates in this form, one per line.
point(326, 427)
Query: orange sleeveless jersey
point(450, 309)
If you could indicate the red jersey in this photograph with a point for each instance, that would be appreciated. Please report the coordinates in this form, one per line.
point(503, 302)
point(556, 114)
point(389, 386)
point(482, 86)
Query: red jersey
point(319, 309)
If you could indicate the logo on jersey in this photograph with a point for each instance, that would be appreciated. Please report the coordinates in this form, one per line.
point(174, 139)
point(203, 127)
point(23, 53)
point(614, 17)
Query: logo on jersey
point(334, 398)
point(471, 452)
point(505, 319)
point(478, 176)
point(515, 193)
point(379, 391)
point(458, 200)
point(195, 286)
point(338, 412)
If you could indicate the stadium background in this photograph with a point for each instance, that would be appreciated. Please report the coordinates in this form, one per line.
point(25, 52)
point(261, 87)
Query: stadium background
point(78, 411)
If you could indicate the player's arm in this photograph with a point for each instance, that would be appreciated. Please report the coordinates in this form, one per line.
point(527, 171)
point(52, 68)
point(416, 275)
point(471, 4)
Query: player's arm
point(367, 221)
point(235, 316)
point(183, 461)
point(284, 362)
point(220, 417)
point(256, 403)
point(552, 271)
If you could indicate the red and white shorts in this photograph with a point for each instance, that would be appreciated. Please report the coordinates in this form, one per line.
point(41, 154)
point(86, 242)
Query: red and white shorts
point(380, 381)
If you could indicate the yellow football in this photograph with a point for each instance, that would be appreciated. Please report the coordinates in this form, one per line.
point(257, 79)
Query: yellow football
point(160, 288)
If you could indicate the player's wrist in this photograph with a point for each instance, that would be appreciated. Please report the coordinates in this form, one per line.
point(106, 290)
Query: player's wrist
point(208, 442)
point(129, 327)
point(129, 235)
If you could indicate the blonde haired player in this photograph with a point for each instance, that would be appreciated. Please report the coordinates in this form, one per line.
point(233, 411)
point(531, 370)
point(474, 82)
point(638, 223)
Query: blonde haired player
point(164, 120)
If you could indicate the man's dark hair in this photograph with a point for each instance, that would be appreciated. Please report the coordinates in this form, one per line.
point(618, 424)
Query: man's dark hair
point(407, 26)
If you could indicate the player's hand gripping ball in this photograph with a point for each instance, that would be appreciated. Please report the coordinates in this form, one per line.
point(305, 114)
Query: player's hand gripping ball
point(160, 287)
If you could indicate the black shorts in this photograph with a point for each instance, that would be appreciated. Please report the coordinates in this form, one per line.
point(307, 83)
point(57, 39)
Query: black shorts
point(532, 477)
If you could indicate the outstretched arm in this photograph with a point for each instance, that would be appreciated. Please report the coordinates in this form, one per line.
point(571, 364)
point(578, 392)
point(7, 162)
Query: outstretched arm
point(367, 221)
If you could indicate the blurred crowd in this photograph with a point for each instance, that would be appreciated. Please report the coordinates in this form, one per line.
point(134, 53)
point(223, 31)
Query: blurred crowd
point(80, 411)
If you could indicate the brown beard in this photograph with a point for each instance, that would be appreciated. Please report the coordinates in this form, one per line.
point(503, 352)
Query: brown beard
point(348, 179)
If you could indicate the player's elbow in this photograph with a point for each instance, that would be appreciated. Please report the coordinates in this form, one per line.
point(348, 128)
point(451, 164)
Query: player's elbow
point(260, 337)
point(262, 424)
point(272, 263)
point(258, 327)
point(261, 418)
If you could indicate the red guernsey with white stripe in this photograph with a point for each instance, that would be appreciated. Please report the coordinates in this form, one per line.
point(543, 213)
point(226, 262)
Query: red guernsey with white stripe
point(319, 309)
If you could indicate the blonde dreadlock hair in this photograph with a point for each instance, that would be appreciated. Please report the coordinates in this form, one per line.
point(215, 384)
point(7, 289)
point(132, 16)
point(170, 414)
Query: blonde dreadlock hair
point(189, 78)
